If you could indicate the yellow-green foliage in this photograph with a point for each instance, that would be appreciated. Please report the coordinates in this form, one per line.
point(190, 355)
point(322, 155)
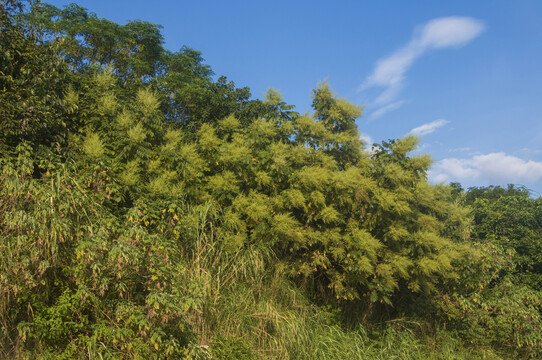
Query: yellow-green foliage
point(104, 80)
point(137, 133)
point(318, 199)
point(285, 225)
point(162, 184)
point(273, 96)
point(208, 140)
point(360, 216)
point(191, 165)
point(147, 101)
point(235, 152)
point(223, 183)
point(263, 129)
point(173, 138)
point(279, 153)
point(296, 198)
point(93, 146)
point(107, 104)
point(255, 206)
point(313, 178)
point(347, 109)
point(130, 175)
point(329, 215)
point(229, 123)
point(71, 98)
point(263, 179)
point(125, 119)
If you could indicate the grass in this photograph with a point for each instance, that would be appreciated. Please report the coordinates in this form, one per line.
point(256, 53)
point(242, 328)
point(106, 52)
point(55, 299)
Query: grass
point(251, 310)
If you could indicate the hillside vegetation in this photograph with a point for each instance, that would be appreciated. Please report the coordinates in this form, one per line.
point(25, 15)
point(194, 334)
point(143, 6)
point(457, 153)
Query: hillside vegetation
point(150, 210)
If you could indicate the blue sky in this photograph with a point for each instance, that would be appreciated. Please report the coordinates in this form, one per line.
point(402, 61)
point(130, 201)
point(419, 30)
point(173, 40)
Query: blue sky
point(466, 76)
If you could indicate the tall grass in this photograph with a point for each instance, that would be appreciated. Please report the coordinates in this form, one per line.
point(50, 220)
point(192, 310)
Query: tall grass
point(249, 299)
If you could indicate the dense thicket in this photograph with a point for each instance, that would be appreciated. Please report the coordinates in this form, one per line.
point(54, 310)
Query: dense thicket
point(150, 211)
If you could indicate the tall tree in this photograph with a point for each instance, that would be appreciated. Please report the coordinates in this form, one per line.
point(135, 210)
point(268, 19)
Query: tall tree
point(510, 218)
point(134, 49)
point(32, 82)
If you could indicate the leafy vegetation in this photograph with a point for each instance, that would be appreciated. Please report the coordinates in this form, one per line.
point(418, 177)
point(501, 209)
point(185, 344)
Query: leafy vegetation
point(148, 211)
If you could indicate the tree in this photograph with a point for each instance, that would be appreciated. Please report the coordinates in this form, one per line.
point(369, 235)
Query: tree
point(134, 50)
point(510, 218)
point(497, 299)
point(32, 82)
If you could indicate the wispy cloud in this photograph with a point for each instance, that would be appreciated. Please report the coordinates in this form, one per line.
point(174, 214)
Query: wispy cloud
point(384, 109)
point(461, 149)
point(493, 168)
point(530, 151)
point(428, 128)
point(441, 33)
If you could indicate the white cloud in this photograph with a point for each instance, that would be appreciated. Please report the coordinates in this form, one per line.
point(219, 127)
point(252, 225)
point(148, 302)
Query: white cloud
point(368, 140)
point(428, 128)
point(446, 32)
point(493, 168)
point(453, 31)
point(384, 109)
point(461, 149)
point(454, 169)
